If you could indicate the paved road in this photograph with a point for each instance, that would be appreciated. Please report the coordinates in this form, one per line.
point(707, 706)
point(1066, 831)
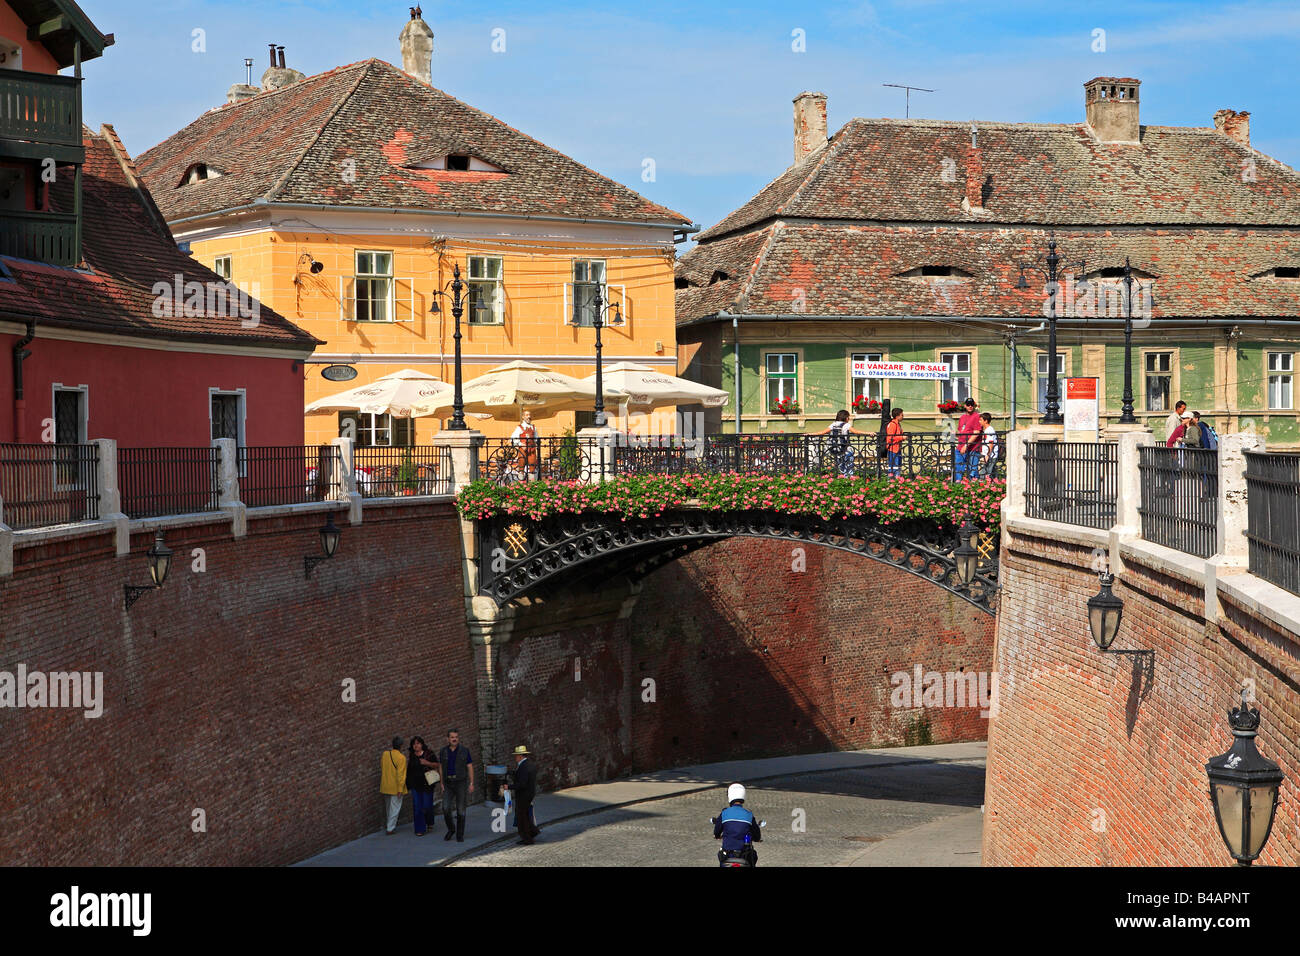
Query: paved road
point(897, 814)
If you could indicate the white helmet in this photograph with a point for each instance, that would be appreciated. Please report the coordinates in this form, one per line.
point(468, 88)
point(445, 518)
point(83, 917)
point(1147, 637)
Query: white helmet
point(735, 792)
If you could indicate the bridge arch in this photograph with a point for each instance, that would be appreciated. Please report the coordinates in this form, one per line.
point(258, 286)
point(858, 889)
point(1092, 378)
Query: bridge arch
point(518, 556)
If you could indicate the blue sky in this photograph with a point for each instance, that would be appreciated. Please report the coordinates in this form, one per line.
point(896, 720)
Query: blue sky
point(704, 89)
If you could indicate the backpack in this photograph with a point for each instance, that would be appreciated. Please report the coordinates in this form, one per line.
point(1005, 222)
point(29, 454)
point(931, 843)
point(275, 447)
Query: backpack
point(840, 438)
point(1209, 437)
point(1191, 437)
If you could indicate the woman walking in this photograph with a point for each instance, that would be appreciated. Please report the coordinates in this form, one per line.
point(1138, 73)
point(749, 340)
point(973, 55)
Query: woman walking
point(841, 451)
point(418, 763)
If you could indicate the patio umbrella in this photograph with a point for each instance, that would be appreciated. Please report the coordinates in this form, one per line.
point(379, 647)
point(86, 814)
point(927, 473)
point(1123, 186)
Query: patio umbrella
point(505, 391)
point(649, 388)
point(391, 394)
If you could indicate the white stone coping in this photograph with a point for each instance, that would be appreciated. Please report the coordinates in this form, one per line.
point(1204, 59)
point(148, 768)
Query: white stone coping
point(1176, 564)
point(288, 511)
point(59, 532)
point(1266, 600)
point(396, 501)
point(1058, 531)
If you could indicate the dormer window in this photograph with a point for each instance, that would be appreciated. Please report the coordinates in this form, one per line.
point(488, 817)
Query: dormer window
point(718, 276)
point(1115, 273)
point(1279, 272)
point(458, 162)
point(198, 173)
point(935, 272)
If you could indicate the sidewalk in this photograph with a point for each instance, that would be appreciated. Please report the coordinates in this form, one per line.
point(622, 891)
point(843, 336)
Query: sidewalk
point(406, 849)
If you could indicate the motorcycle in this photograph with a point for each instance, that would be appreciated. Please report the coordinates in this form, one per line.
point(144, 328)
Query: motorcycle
point(730, 859)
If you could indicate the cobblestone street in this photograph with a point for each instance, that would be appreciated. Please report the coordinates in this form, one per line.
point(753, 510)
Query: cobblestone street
point(897, 814)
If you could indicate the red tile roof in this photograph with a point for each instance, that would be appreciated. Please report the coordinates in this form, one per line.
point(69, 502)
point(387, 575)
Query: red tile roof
point(1197, 209)
point(127, 250)
point(351, 137)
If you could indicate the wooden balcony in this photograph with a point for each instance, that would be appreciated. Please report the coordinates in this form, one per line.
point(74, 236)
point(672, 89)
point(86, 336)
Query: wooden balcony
point(40, 116)
point(50, 237)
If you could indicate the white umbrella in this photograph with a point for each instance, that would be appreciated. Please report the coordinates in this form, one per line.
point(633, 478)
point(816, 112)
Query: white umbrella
point(505, 391)
point(648, 388)
point(391, 394)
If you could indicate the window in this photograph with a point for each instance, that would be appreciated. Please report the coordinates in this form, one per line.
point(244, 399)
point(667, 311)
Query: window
point(374, 288)
point(222, 267)
point(588, 276)
point(486, 292)
point(369, 430)
point(1159, 380)
point(957, 388)
point(200, 172)
point(782, 377)
point(1281, 366)
point(69, 429)
point(1287, 272)
point(863, 385)
point(1044, 378)
point(460, 162)
point(228, 416)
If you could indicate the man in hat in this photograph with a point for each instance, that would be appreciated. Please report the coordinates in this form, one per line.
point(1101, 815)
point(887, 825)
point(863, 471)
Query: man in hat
point(524, 790)
point(970, 435)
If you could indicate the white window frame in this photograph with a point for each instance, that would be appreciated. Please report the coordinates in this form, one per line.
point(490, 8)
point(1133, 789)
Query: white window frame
point(499, 288)
point(571, 289)
point(791, 377)
point(1173, 379)
point(1041, 377)
point(955, 376)
point(1285, 378)
point(373, 427)
point(358, 277)
point(228, 273)
point(880, 382)
point(83, 426)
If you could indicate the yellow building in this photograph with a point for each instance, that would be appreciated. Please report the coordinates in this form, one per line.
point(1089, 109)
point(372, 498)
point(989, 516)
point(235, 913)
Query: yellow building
point(345, 200)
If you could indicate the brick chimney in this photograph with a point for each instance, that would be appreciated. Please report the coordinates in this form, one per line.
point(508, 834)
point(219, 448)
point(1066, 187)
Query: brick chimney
point(1234, 125)
point(809, 124)
point(1112, 109)
point(974, 173)
point(417, 47)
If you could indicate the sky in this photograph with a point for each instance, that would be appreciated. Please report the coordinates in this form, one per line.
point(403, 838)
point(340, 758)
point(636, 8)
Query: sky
point(702, 90)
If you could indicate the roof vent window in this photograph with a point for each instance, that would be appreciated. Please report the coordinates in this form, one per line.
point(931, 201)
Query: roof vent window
point(198, 173)
point(935, 272)
point(458, 162)
point(1287, 272)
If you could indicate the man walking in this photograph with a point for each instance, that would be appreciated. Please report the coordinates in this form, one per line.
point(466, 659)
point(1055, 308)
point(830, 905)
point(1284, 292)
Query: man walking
point(457, 765)
point(970, 432)
point(392, 782)
point(1174, 420)
point(894, 442)
point(522, 793)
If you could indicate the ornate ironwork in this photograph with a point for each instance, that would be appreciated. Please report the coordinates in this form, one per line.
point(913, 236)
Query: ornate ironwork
point(572, 546)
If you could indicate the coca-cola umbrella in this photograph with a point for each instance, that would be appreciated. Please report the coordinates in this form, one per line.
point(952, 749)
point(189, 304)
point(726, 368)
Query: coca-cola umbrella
point(649, 388)
point(393, 394)
point(507, 390)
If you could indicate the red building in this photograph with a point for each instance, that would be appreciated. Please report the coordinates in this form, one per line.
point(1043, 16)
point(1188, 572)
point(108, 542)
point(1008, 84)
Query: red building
point(108, 330)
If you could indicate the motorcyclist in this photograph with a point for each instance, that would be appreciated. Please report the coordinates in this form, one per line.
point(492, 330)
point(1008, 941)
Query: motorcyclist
point(737, 828)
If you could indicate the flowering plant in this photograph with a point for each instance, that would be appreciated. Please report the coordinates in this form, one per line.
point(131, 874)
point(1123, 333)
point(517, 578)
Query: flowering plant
point(863, 405)
point(889, 500)
point(785, 406)
point(949, 407)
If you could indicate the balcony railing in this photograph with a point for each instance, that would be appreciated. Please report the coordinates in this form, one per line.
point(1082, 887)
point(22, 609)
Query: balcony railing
point(39, 108)
point(40, 236)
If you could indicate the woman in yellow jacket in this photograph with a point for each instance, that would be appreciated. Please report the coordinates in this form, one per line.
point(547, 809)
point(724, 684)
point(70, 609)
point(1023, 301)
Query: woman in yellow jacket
point(392, 781)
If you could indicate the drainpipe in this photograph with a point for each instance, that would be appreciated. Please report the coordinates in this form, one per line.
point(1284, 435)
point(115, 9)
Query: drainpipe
point(735, 335)
point(21, 352)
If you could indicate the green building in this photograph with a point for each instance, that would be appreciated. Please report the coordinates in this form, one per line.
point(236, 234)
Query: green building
point(906, 241)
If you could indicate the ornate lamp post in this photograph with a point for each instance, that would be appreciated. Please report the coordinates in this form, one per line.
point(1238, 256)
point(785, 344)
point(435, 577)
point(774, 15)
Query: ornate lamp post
point(965, 555)
point(160, 562)
point(1127, 417)
point(1052, 414)
point(457, 310)
point(329, 543)
point(1243, 788)
point(598, 323)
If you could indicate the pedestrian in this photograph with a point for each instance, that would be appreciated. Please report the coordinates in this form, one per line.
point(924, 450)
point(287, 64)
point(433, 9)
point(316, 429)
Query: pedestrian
point(840, 450)
point(969, 438)
point(527, 447)
point(1207, 466)
point(392, 782)
point(989, 449)
point(522, 794)
point(1178, 439)
point(419, 764)
point(457, 783)
point(894, 442)
point(1174, 420)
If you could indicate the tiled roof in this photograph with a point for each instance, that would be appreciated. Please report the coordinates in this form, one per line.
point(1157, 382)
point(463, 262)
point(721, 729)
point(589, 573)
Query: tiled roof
point(351, 137)
point(828, 270)
point(914, 171)
point(127, 250)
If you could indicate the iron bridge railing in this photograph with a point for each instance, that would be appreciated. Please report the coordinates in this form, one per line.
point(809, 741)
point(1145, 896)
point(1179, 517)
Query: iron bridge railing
point(1273, 517)
point(1071, 482)
point(392, 471)
point(1180, 498)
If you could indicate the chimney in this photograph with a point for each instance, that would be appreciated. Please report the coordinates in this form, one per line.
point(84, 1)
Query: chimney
point(1112, 109)
point(417, 48)
point(974, 172)
point(280, 50)
point(1234, 125)
point(243, 91)
point(278, 75)
point(809, 124)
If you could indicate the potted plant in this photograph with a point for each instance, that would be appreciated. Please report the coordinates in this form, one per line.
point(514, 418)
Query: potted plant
point(786, 406)
point(407, 476)
point(950, 408)
point(866, 406)
point(568, 457)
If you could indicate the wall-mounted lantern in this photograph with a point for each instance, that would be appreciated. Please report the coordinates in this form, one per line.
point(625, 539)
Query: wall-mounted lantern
point(1104, 613)
point(160, 562)
point(1244, 787)
point(965, 555)
point(329, 543)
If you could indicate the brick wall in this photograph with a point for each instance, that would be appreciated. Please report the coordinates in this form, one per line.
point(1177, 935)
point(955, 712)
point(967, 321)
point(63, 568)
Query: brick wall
point(749, 658)
point(1100, 758)
point(224, 690)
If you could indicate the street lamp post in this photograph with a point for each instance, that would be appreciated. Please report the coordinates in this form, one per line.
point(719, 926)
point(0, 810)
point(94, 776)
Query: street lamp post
point(457, 310)
point(597, 322)
point(1126, 416)
point(1052, 413)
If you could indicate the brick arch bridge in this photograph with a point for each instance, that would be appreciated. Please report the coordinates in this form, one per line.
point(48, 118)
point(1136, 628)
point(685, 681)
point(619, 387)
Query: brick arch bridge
point(519, 557)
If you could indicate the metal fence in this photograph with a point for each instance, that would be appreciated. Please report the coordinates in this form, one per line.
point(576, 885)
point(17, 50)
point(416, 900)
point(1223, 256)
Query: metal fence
point(288, 474)
point(168, 481)
point(1180, 498)
point(1273, 517)
point(861, 456)
point(568, 458)
point(44, 485)
point(386, 471)
point(1072, 482)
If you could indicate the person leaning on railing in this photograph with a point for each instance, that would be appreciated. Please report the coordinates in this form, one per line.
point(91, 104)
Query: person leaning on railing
point(1186, 435)
point(989, 450)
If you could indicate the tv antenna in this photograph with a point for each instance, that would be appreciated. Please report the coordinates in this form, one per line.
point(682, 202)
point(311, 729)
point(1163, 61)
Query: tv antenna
point(907, 99)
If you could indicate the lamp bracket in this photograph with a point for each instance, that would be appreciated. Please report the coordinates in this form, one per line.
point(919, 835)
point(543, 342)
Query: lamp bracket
point(136, 591)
